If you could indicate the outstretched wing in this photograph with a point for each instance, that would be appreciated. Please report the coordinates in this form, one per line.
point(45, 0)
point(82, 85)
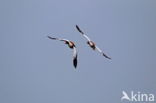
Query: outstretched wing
point(99, 50)
point(65, 40)
point(77, 27)
point(75, 57)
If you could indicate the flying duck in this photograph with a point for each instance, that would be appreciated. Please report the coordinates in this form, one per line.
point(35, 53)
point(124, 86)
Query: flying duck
point(91, 43)
point(71, 45)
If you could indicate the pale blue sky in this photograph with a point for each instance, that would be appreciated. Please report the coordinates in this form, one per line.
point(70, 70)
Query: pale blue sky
point(35, 69)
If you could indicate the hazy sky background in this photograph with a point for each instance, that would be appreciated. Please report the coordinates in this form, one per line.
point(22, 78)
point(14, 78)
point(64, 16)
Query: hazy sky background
point(35, 69)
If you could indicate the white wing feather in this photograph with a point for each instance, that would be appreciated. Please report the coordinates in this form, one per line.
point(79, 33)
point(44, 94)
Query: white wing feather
point(86, 37)
point(77, 27)
point(74, 57)
point(74, 52)
point(98, 49)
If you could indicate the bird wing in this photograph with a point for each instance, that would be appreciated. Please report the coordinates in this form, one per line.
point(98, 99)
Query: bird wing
point(86, 37)
point(77, 27)
point(99, 50)
point(75, 57)
point(65, 40)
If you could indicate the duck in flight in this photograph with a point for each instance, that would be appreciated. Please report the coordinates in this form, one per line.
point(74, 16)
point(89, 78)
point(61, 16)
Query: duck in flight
point(71, 45)
point(91, 43)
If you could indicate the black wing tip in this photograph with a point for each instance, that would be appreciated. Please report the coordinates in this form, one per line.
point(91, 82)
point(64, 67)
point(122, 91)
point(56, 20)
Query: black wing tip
point(109, 58)
point(77, 27)
point(106, 56)
point(75, 66)
point(48, 36)
point(75, 62)
point(51, 37)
